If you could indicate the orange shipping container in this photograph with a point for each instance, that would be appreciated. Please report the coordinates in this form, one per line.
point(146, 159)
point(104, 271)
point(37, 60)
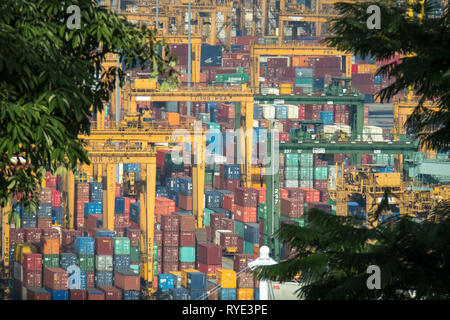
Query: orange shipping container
point(245, 214)
point(173, 118)
point(300, 61)
point(185, 202)
point(50, 245)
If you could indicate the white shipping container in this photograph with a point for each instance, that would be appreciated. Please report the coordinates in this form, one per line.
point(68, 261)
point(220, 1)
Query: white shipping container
point(255, 123)
point(270, 91)
point(306, 184)
point(291, 183)
point(344, 128)
point(372, 133)
point(104, 263)
point(278, 125)
point(268, 111)
point(292, 111)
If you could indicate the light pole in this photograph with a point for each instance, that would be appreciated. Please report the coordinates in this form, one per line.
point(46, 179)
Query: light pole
point(189, 56)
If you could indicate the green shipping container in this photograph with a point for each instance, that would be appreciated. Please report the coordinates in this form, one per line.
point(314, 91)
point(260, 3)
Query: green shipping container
point(172, 106)
point(170, 164)
point(213, 126)
point(304, 82)
point(321, 173)
point(86, 262)
point(134, 254)
point(187, 254)
point(207, 216)
point(262, 211)
point(155, 265)
point(291, 173)
point(248, 247)
point(155, 251)
point(291, 160)
point(121, 245)
point(306, 159)
point(209, 177)
point(239, 228)
point(240, 70)
point(135, 267)
point(306, 173)
point(50, 261)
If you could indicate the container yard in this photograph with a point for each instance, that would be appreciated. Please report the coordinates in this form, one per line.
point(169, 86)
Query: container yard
point(186, 186)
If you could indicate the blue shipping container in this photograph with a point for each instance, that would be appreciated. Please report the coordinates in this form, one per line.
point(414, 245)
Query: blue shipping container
point(211, 55)
point(211, 105)
point(162, 191)
point(44, 210)
point(280, 112)
point(92, 208)
point(198, 294)
point(84, 245)
point(67, 259)
point(368, 98)
point(58, 294)
point(227, 294)
point(326, 117)
point(173, 184)
point(121, 262)
point(378, 79)
point(180, 294)
point(104, 279)
point(131, 295)
point(134, 212)
point(174, 195)
point(232, 172)
point(251, 232)
point(119, 205)
point(213, 199)
point(352, 208)
point(166, 281)
point(196, 280)
point(186, 186)
point(105, 233)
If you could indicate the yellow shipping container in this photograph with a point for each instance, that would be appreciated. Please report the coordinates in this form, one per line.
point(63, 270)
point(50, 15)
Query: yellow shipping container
point(226, 278)
point(149, 84)
point(244, 294)
point(22, 248)
point(300, 61)
point(184, 276)
point(367, 68)
point(388, 179)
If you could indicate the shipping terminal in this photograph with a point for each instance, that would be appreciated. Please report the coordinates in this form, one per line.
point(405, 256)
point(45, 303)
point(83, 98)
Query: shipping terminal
point(186, 187)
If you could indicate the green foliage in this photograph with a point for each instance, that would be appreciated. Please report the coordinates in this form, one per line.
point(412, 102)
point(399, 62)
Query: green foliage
point(427, 71)
point(334, 252)
point(51, 77)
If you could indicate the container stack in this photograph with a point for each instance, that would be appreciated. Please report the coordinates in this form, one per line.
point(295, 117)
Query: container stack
point(229, 177)
point(291, 171)
point(134, 235)
point(196, 284)
point(186, 242)
point(209, 258)
point(85, 250)
point(292, 207)
point(81, 198)
point(226, 279)
point(121, 216)
point(306, 170)
point(185, 194)
point(56, 282)
point(245, 281)
point(170, 225)
point(27, 273)
point(246, 201)
point(163, 206)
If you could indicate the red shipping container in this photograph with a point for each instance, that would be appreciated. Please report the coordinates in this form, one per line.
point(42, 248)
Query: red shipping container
point(187, 239)
point(37, 295)
point(227, 224)
point(56, 198)
point(32, 279)
point(245, 214)
point(208, 268)
point(215, 220)
point(185, 202)
point(94, 294)
point(230, 185)
point(228, 240)
point(241, 261)
point(312, 195)
point(56, 278)
point(91, 221)
point(292, 208)
point(209, 253)
point(160, 155)
point(170, 223)
point(44, 223)
point(283, 137)
point(117, 193)
point(16, 236)
point(296, 193)
point(90, 279)
point(261, 194)
point(245, 280)
point(246, 197)
point(68, 236)
point(127, 280)
point(186, 265)
point(121, 221)
point(50, 233)
point(51, 182)
point(169, 266)
point(32, 235)
point(187, 223)
point(170, 238)
point(104, 246)
point(240, 245)
point(77, 295)
point(170, 254)
point(284, 194)
point(228, 202)
point(134, 235)
point(127, 204)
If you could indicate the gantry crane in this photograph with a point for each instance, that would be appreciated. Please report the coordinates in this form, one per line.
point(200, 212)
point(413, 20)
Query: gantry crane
point(297, 49)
